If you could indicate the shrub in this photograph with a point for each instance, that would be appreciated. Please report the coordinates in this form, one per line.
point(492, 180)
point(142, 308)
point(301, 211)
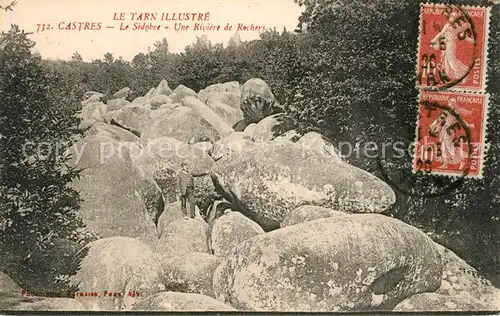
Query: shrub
point(37, 203)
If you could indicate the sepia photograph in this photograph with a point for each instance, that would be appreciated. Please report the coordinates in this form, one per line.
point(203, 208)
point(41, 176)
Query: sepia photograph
point(235, 156)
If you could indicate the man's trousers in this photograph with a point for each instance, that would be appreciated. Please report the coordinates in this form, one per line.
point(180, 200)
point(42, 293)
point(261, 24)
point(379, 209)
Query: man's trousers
point(189, 197)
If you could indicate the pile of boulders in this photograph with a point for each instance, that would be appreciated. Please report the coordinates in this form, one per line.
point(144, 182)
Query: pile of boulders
point(282, 222)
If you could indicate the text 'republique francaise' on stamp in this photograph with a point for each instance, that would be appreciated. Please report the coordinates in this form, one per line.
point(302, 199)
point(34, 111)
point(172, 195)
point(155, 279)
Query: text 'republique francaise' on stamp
point(453, 48)
point(451, 132)
point(452, 78)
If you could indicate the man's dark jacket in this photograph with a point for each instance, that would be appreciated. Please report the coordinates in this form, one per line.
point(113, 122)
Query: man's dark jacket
point(185, 182)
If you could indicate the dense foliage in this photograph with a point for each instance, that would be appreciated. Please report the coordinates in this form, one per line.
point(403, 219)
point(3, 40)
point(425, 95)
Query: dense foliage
point(37, 205)
point(349, 75)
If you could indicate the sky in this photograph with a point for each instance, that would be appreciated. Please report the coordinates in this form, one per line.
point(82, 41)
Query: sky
point(57, 43)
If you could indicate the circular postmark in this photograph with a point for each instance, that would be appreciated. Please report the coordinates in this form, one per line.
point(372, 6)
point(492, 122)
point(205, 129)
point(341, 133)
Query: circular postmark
point(417, 176)
point(448, 47)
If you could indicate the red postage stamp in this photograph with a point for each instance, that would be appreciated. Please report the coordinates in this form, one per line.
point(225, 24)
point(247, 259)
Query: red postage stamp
point(453, 42)
point(451, 134)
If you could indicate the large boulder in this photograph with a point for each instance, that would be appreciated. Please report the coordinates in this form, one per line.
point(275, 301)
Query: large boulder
point(109, 117)
point(231, 87)
point(172, 213)
point(256, 86)
point(182, 237)
point(133, 117)
point(207, 114)
point(122, 93)
point(174, 301)
point(118, 265)
point(268, 180)
point(93, 98)
point(250, 129)
point(202, 95)
point(164, 109)
point(115, 195)
point(271, 127)
point(95, 150)
point(8, 286)
point(140, 100)
point(229, 98)
point(181, 123)
point(227, 113)
point(226, 87)
point(167, 152)
point(181, 92)
point(192, 273)
point(257, 101)
point(426, 302)
point(459, 278)
point(113, 131)
point(316, 142)
point(234, 143)
point(307, 213)
point(159, 100)
point(116, 104)
point(162, 89)
point(92, 113)
point(89, 94)
point(344, 263)
point(231, 229)
point(149, 93)
point(171, 106)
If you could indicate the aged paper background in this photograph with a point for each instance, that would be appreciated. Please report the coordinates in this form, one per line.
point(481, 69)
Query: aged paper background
point(94, 44)
point(266, 168)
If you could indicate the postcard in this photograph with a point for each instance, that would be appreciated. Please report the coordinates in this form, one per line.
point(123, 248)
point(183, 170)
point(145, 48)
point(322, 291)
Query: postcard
point(250, 156)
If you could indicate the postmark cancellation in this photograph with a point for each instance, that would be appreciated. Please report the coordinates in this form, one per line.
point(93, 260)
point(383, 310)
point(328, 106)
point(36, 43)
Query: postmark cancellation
point(451, 133)
point(453, 47)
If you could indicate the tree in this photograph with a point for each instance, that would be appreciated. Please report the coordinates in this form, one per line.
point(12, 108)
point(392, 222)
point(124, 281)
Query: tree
point(234, 41)
point(141, 61)
point(108, 58)
point(37, 203)
point(200, 65)
point(141, 73)
point(76, 57)
point(159, 55)
point(9, 6)
point(161, 45)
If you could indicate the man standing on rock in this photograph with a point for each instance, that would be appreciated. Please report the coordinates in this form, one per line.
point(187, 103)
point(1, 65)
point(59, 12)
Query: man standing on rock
point(185, 187)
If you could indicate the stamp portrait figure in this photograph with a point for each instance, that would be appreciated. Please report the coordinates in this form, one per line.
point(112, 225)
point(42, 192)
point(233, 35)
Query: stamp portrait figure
point(446, 41)
point(444, 127)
